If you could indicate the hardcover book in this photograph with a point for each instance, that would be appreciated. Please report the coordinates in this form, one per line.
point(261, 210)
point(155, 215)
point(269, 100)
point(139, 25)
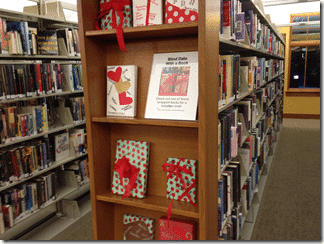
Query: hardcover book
point(176, 229)
point(173, 89)
point(134, 156)
point(113, 18)
point(122, 90)
point(47, 42)
point(181, 187)
point(62, 146)
point(138, 227)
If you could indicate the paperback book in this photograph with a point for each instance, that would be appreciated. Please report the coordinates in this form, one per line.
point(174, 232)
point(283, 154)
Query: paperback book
point(121, 90)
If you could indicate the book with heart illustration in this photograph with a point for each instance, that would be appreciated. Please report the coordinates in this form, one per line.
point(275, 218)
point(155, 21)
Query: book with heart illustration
point(122, 90)
point(173, 88)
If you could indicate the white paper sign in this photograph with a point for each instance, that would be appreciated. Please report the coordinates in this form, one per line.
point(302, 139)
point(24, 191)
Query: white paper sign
point(173, 89)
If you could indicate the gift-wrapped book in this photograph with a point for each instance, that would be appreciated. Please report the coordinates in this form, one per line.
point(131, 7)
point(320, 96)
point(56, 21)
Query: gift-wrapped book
point(138, 227)
point(131, 167)
point(176, 229)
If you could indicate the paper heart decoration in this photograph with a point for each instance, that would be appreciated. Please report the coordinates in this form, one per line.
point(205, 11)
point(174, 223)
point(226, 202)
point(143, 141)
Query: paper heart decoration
point(115, 75)
point(123, 100)
point(122, 86)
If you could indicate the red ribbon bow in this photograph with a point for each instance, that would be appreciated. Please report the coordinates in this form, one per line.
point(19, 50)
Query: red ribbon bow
point(114, 6)
point(126, 170)
point(176, 169)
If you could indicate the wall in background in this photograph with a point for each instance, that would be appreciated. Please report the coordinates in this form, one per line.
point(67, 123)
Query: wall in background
point(280, 15)
point(302, 106)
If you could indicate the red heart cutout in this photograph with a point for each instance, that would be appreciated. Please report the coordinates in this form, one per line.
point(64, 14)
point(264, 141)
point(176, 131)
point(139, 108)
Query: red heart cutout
point(115, 76)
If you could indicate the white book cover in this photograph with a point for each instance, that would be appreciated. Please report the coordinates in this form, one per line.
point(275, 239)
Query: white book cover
point(62, 146)
point(68, 77)
point(153, 7)
point(173, 89)
point(122, 90)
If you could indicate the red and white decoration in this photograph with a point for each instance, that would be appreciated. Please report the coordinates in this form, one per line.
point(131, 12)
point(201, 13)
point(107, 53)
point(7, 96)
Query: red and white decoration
point(178, 11)
point(132, 157)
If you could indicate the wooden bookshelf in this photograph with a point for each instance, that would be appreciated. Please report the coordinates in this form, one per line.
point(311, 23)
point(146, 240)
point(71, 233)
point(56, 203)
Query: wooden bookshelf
point(187, 139)
point(169, 138)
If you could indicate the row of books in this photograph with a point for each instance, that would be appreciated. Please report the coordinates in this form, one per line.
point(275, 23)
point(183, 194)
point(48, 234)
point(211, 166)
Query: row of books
point(26, 198)
point(20, 38)
point(239, 75)
point(236, 194)
point(76, 105)
point(33, 117)
point(76, 137)
point(250, 116)
point(19, 122)
point(37, 78)
point(237, 24)
point(23, 161)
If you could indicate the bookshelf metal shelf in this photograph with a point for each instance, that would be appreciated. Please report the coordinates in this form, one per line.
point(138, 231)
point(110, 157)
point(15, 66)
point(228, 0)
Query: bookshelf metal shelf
point(54, 165)
point(21, 223)
point(16, 140)
point(247, 227)
point(39, 96)
point(18, 16)
point(38, 57)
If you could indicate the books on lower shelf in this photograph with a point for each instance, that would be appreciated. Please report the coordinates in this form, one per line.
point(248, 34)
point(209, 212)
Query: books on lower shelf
point(173, 89)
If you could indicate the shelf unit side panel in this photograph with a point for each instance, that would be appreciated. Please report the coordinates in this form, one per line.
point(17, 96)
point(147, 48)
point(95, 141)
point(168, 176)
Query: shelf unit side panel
point(209, 17)
point(93, 69)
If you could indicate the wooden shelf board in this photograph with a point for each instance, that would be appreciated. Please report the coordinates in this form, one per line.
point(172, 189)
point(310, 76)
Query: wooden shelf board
point(152, 31)
point(142, 121)
point(152, 202)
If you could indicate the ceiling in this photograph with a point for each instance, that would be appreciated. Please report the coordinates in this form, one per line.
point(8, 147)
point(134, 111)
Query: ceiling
point(268, 3)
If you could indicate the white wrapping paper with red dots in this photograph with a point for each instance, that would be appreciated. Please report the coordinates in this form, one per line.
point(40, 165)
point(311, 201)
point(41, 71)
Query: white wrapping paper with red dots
point(138, 227)
point(174, 185)
point(138, 153)
point(106, 21)
point(177, 11)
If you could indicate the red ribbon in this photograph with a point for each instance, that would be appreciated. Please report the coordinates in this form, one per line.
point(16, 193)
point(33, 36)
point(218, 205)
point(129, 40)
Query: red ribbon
point(176, 170)
point(148, 11)
point(114, 6)
point(126, 170)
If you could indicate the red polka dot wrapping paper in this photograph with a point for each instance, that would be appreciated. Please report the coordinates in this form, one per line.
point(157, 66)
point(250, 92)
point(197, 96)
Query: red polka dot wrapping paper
point(138, 227)
point(178, 11)
point(176, 229)
point(174, 185)
point(138, 153)
point(106, 21)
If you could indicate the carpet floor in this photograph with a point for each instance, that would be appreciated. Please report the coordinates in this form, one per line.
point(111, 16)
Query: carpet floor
point(291, 204)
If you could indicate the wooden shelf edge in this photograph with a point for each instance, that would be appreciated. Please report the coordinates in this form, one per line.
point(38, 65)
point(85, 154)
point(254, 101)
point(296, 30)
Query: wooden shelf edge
point(155, 203)
point(152, 31)
point(140, 121)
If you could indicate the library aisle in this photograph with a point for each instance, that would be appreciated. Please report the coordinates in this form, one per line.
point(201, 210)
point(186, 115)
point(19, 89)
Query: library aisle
point(291, 205)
